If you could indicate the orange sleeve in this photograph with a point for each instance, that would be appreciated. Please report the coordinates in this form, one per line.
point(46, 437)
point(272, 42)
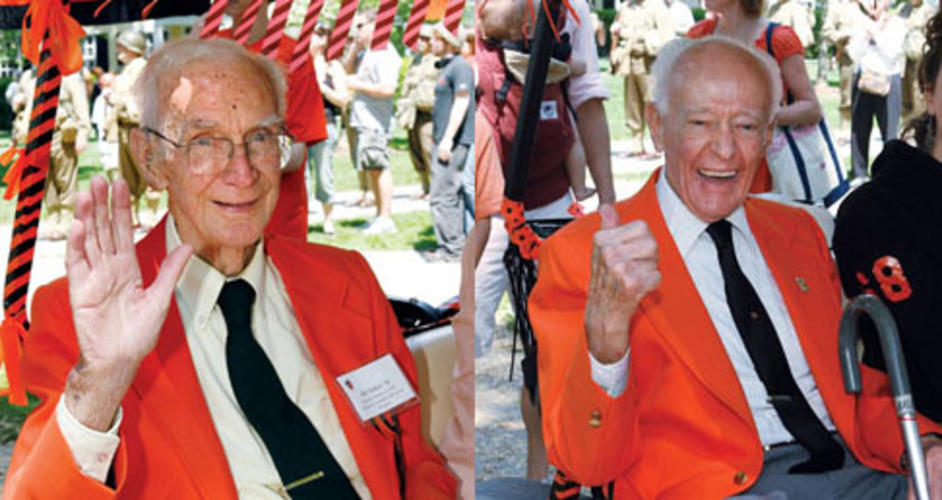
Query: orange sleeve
point(785, 43)
point(488, 174)
point(580, 420)
point(702, 28)
point(42, 465)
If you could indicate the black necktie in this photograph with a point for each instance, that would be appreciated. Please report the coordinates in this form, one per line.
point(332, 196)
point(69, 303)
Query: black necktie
point(305, 465)
point(758, 334)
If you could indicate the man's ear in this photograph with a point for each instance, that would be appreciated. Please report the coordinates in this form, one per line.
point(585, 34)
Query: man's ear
point(654, 124)
point(149, 160)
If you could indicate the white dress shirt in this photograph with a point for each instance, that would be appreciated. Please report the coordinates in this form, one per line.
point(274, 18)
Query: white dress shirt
point(277, 331)
point(589, 84)
point(699, 254)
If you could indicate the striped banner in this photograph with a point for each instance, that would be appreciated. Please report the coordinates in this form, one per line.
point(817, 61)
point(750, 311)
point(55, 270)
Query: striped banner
point(26, 221)
point(384, 23)
point(453, 15)
point(411, 34)
point(241, 31)
point(276, 26)
point(301, 53)
point(338, 37)
point(213, 19)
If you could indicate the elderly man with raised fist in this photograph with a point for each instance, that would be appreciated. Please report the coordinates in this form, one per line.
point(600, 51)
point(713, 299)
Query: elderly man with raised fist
point(688, 335)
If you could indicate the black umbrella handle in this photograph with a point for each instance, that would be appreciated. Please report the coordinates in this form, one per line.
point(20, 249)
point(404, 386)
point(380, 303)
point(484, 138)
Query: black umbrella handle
point(521, 149)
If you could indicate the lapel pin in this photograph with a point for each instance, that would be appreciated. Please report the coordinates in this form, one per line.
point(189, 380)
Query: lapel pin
point(802, 284)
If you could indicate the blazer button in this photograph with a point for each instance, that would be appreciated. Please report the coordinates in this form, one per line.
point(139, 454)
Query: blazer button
point(740, 478)
point(595, 419)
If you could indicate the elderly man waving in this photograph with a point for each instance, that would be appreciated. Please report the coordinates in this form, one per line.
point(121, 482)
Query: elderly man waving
point(205, 362)
point(688, 335)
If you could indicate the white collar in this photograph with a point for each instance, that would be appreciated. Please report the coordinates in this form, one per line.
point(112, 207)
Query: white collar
point(200, 283)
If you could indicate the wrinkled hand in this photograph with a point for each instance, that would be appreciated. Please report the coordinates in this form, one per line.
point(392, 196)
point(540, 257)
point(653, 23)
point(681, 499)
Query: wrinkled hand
point(624, 271)
point(117, 320)
point(932, 447)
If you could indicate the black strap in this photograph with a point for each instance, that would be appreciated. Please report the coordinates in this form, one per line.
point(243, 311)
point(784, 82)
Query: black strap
point(768, 357)
point(305, 464)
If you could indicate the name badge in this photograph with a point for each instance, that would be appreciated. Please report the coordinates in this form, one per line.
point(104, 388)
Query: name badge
point(548, 110)
point(378, 387)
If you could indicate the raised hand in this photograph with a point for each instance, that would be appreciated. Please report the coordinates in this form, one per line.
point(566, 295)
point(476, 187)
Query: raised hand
point(624, 270)
point(117, 320)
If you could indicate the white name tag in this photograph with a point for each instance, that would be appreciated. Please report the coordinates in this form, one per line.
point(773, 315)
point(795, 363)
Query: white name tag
point(548, 110)
point(378, 387)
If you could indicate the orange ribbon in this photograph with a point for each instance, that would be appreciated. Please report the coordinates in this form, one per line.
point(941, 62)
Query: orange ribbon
point(14, 172)
point(64, 33)
point(11, 333)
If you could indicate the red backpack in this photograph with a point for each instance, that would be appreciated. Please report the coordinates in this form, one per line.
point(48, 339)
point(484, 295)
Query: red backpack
point(499, 97)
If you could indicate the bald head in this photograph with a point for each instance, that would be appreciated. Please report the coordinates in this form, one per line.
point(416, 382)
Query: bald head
point(160, 82)
point(685, 64)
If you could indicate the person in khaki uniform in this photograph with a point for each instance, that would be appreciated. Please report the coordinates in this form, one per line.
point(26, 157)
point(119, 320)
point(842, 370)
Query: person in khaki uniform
point(916, 13)
point(69, 139)
point(842, 19)
point(131, 46)
point(791, 13)
point(414, 108)
point(641, 27)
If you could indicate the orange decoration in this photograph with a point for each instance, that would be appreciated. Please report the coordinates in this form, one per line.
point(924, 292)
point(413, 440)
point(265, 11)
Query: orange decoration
point(889, 273)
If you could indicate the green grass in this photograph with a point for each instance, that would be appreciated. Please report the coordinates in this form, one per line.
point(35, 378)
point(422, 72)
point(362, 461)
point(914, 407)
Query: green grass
point(415, 233)
point(12, 417)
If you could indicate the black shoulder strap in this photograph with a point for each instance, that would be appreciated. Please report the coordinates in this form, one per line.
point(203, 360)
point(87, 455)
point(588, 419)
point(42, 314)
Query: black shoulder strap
point(768, 47)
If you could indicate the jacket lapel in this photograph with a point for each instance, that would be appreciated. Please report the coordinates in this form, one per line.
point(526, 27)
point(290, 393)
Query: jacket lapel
point(810, 298)
point(678, 314)
point(171, 395)
point(338, 338)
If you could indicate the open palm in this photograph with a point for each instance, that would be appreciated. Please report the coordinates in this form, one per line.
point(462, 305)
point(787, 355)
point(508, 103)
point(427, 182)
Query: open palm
point(116, 319)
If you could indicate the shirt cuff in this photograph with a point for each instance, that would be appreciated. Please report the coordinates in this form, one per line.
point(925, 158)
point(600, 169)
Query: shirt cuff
point(93, 451)
point(612, 378)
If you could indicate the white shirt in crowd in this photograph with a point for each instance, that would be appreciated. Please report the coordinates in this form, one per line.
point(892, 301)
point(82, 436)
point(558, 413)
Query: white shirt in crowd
point(884, 52)
point(699, 254)
point(277, 331)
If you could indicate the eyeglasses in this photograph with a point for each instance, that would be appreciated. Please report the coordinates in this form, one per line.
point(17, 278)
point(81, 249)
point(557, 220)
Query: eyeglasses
point(265, 149)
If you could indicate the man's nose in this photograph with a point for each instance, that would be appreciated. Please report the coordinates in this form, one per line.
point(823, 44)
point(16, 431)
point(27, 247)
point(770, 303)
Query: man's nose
point(722, 143)
point(240, 170)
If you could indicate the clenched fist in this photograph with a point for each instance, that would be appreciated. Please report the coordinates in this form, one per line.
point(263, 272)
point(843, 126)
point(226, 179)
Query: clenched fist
point(624, 270)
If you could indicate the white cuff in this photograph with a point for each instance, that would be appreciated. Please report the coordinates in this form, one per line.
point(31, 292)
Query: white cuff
point(612, 378)
point(93, 451)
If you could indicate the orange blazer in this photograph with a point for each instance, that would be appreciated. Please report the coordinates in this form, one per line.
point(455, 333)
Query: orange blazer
point(683, 428)
point(169, 446)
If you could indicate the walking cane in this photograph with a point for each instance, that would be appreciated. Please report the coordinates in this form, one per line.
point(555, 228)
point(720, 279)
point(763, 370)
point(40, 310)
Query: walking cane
point(896, 368)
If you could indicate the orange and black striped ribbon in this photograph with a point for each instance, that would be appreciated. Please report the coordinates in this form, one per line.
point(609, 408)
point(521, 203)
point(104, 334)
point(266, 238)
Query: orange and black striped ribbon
point(565, 489)
point(301, 53)
point(384, 23)
point(213, 19)
point(241, 31)
point(26, 220)
point(338, 37)
point(276, 27)
point(453, 15)
point(411, 34)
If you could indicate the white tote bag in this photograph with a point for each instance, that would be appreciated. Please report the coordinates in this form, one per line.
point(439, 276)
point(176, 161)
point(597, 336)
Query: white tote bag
point(802, 159)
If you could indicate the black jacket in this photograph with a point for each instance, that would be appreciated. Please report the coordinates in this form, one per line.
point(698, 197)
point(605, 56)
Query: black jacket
point(898, 215)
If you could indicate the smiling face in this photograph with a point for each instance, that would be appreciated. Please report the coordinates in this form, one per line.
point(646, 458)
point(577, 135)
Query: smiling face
point(716, 129)
point(229, 208)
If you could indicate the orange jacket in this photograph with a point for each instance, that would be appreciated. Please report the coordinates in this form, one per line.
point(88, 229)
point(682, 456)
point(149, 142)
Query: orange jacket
point(169, 446)
point(683, 428)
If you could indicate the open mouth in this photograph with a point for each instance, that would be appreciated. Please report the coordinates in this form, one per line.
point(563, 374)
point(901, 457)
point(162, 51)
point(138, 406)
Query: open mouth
point(717, 174)
point(235, 206)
